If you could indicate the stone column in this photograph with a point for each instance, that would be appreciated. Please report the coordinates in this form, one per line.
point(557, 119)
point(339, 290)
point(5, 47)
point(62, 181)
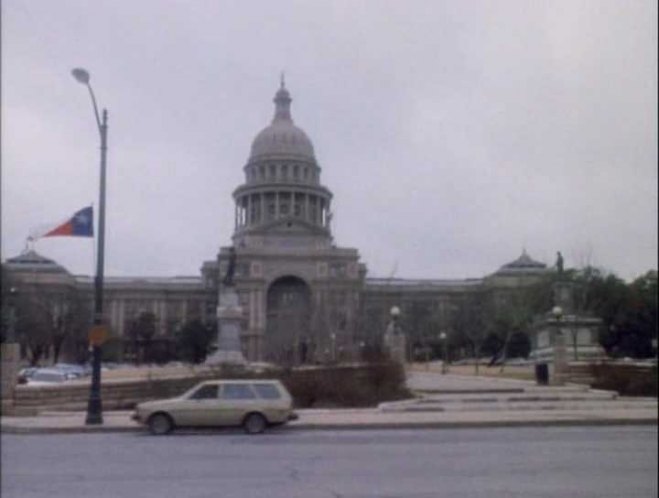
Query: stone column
point(9, 362)
point(560, 359)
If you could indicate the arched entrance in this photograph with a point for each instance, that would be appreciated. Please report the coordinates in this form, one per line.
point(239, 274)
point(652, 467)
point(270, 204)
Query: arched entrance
point(288, 320)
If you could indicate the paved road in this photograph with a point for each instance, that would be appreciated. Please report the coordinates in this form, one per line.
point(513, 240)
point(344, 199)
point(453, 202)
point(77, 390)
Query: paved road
point(570, 462)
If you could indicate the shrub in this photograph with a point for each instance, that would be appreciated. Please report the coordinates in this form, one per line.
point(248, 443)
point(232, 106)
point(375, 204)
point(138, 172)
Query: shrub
point(627, 380)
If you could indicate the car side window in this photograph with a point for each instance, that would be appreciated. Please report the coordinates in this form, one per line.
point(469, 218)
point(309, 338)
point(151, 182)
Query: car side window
point(237, 391)
point(267, 391)
point(205, 392)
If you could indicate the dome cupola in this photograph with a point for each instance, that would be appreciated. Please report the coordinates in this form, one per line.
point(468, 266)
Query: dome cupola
point(282, 139)
point(282, 193)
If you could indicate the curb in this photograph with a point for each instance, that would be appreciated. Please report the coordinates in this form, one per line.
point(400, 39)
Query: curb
point(357, 427)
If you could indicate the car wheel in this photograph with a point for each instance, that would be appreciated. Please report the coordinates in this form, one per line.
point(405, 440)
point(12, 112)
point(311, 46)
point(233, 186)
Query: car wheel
point(254, 423)
point(160, 424)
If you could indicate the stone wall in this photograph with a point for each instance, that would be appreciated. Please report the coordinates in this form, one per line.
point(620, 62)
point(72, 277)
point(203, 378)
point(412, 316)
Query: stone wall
point(341, 385)
point(9, 363)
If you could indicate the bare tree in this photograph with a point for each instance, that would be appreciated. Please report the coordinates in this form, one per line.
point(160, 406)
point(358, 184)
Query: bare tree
point(49, 318)
point(468, 323)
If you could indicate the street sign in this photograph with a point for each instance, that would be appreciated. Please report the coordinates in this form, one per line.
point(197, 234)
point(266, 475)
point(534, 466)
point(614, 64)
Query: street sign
point(98, 335)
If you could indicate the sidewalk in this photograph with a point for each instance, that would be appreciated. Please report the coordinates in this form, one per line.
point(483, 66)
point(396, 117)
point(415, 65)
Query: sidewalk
point(345, 419)
point(445, 401)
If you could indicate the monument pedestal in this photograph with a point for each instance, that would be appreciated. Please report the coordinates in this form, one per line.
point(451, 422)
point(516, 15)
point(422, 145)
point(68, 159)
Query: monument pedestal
point(580, 337)
point(396, 346)
point(229, 320)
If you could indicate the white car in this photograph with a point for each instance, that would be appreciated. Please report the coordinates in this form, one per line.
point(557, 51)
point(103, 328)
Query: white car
point(49, 377)
point(252, 404)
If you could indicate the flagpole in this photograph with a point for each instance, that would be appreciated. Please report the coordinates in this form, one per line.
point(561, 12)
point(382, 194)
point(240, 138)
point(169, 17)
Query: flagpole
point(94, 404)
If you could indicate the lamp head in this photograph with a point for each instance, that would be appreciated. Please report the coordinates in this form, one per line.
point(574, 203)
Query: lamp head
point(557, 311)
point(81, 75)
point(442, 336)
point(394, 312)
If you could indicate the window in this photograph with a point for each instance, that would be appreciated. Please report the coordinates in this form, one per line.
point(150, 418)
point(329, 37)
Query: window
point(205, 392)
point(267, 391)
point(237, 391)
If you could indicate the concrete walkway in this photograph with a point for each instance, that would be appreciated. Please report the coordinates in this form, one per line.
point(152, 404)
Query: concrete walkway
point(444, 401)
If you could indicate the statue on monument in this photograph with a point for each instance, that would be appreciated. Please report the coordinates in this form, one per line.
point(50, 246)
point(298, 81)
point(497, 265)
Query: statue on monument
point(559, 263)
point(227, 281)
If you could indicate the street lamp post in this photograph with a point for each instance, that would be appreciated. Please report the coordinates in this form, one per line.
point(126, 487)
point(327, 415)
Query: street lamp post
point(94, 405)
point(442, 338)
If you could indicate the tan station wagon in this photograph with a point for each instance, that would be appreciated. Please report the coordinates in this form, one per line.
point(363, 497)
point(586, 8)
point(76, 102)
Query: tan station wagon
point(252, 404)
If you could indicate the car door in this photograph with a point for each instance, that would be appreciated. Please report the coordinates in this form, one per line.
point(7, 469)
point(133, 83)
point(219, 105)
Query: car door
point(237, 399)
point(200, 408)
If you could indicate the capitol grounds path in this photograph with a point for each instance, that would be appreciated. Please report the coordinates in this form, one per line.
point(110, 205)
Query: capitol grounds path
point(456, 399)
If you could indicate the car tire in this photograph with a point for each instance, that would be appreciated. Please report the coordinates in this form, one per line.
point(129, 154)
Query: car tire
point(254, 423)
point(160, 424)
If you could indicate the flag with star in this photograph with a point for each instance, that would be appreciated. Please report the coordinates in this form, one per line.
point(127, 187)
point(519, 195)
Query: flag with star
point(81, 224)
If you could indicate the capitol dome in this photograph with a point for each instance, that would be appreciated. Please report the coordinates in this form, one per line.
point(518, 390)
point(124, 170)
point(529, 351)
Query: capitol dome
point(282, 138)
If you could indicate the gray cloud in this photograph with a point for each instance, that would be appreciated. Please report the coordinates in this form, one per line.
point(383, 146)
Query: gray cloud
point(453, 134)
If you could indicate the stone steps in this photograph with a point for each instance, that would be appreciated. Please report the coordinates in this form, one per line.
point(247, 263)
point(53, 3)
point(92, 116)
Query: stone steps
point(518, 398)
point(535, 406)
point(459, 394)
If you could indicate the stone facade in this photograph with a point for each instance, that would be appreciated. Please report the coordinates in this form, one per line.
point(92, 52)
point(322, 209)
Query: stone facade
point(303, 298)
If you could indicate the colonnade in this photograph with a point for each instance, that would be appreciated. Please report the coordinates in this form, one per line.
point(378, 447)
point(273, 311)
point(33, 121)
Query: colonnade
point(262, 207)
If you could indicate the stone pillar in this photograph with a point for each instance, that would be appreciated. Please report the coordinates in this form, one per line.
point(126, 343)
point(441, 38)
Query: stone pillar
point(560, 360)
point(9, 362)
point(395, 343)
point(262, 208)
point(306, 207)
point(229, 319)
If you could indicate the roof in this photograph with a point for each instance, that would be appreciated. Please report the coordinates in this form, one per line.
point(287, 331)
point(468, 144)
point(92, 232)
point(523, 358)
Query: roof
point(523, 264)
point(282, 138)
point(30, 260)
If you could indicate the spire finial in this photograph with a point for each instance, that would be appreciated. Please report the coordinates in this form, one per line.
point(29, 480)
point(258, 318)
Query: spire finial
point(282, 102)
point(282, 80)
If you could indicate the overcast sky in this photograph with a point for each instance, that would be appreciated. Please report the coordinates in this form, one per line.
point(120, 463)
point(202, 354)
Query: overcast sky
point(453, 134)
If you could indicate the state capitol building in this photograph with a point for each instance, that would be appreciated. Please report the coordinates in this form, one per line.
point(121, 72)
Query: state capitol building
point(295, 285)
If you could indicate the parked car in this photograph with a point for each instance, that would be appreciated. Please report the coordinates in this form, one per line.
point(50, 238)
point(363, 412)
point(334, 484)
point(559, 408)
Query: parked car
point(252, 404)
point(73, 369)
point(26, 373)
point(48, 377)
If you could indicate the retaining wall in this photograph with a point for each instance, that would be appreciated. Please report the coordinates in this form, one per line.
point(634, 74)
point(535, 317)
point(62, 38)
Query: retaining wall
point(347, 385)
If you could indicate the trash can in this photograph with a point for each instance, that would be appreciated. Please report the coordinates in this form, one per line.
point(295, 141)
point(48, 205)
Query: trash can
point(542, 374)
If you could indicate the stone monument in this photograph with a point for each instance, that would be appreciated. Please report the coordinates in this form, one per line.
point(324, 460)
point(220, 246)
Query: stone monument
point(565, 334)
point(229, 320)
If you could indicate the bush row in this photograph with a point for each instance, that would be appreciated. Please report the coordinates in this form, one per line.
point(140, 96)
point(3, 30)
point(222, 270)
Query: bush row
point(627, 380)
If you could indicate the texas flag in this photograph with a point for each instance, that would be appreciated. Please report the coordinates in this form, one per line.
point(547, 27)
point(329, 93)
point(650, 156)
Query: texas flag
point(80, 224)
